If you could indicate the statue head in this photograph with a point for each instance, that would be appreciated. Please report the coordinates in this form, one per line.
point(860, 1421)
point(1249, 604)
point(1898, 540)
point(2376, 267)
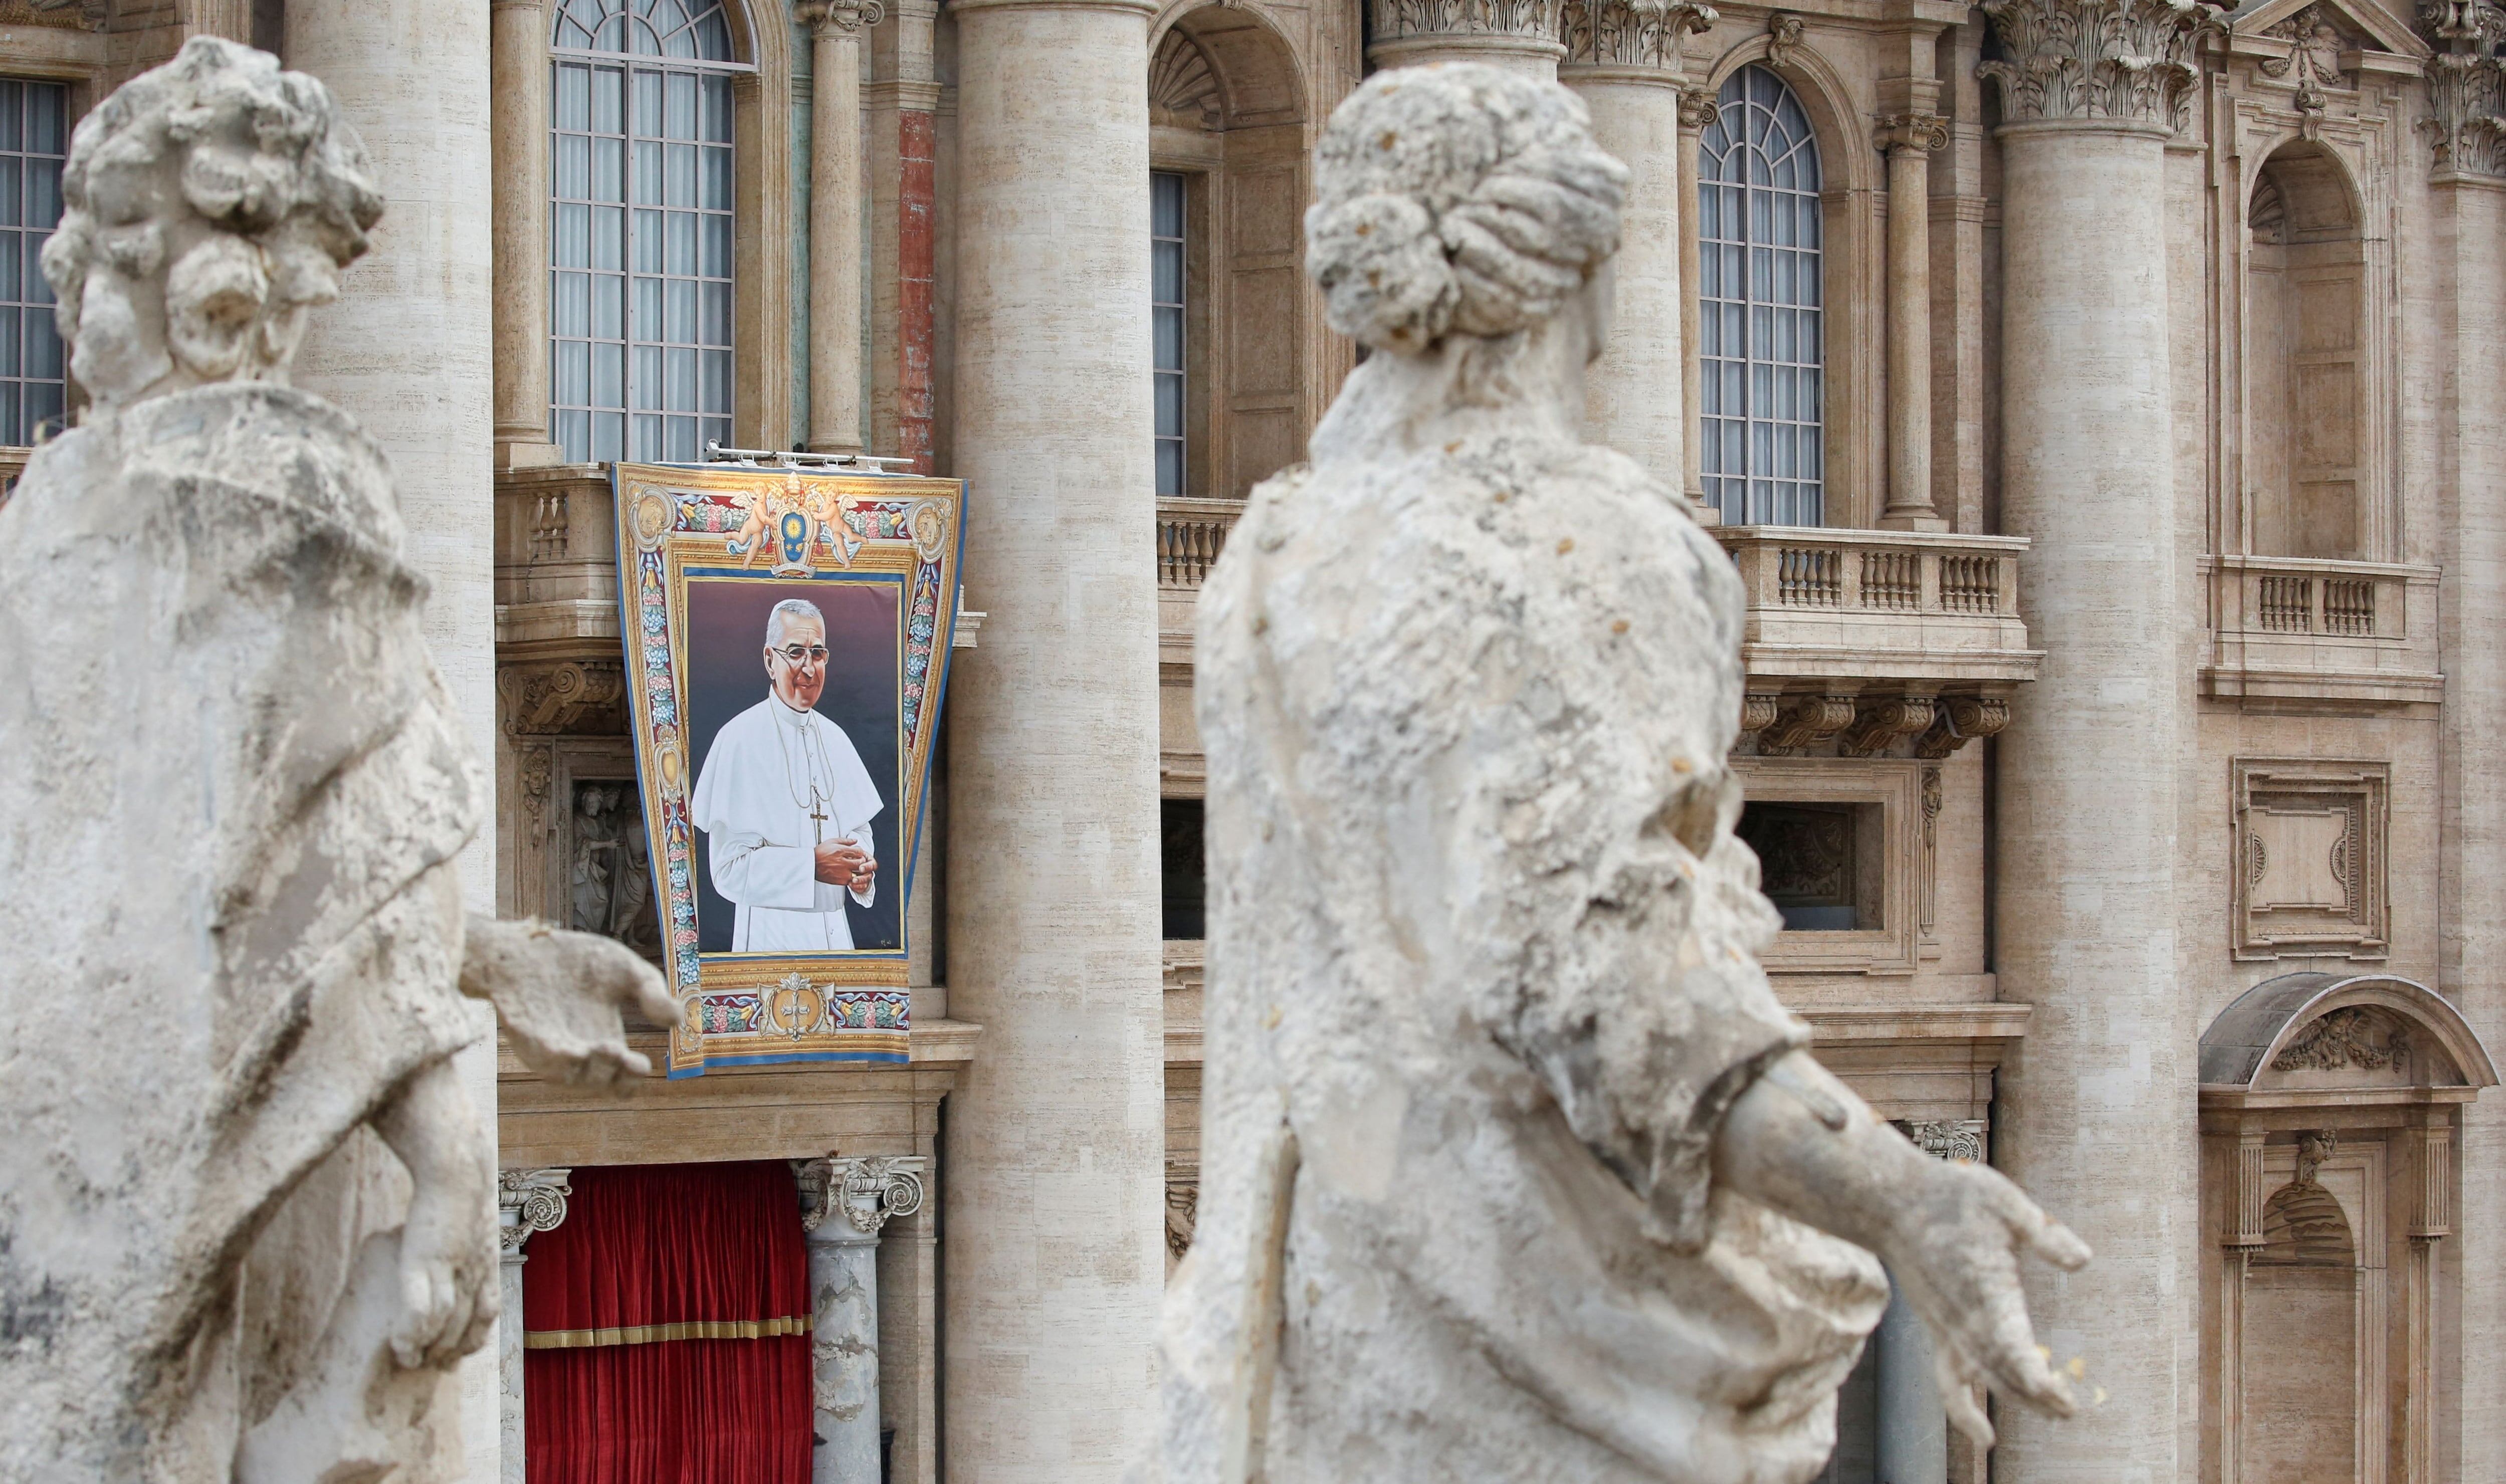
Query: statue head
point(211, 203)
point(1457, 199)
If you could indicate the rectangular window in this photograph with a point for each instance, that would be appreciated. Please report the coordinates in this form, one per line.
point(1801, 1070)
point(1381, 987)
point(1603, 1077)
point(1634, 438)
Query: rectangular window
point(1184, 874)
point(34, 136)
point(1165, 316)
point(639, 258)
point(1819, 863)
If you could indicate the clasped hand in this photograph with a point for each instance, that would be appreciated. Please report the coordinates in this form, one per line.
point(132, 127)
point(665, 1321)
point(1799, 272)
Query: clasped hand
point(843, 863)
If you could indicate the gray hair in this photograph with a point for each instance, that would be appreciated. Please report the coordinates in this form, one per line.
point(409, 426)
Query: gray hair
point(791, 608)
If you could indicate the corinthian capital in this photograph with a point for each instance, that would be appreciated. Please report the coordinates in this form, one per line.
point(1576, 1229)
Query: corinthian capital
point(841, 17)
point(2129, 60)
point(1630, 33)
point(2466, 87)
point(1431, 19)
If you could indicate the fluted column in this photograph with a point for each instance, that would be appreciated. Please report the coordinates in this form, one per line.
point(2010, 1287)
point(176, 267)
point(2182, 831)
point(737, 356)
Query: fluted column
point(519, 66)
point(1908, 140)
point(2467, 92)
point(1055, 1153)
point(1622, 59)
point(529, 1202)
point(844, 1203)
point(904, 99)
point(408, 352)
point(836, 220)
point(1518, 37)
point(2088, 885)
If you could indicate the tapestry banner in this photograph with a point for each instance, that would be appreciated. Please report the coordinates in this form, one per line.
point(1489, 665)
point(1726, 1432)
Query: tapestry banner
point(787, 634)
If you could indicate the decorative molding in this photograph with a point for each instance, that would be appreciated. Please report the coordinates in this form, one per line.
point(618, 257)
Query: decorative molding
point(1429, 20)
point(1960, 719)
point(1630, 33)
point(1783, 37)
point(2315, 41)
point(865, 1190)
point(2347, 1038)
point(2128, 61)
point(1961, 1139)
point(529, 1202)
point(1912, 133)
point(1875, 726)
point(1805, 719)
point(2310, 875)
point(63, 15)
point(1697, 108)
point(1758, 710)
point(2468, 128)
point(609, 880)
point(545, 697)
point(839, 18)
point(1184, 94)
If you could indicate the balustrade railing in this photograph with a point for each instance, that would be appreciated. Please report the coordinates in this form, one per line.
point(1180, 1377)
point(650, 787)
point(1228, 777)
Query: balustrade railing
point(1191, 532)
point(1883, 572)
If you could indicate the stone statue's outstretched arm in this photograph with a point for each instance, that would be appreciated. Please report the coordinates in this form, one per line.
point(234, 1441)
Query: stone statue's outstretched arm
point(1798, 1140)
point(562, 994)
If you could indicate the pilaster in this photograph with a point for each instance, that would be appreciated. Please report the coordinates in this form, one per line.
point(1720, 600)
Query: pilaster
point(1908, 140)
point(518, 64)
point(836, 219)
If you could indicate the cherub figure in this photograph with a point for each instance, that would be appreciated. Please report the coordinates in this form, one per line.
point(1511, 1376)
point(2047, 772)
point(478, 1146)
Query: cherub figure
point(246, 1205)
point(1513, 1167)
point(753, 533)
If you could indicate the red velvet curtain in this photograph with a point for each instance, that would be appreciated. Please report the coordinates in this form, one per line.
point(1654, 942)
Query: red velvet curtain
point(664, 1329)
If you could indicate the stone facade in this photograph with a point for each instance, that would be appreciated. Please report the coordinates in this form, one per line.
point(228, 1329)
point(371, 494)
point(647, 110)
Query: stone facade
point(2142, 659)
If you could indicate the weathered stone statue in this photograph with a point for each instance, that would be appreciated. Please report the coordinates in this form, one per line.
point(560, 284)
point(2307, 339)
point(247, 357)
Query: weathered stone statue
point(246, 1210)
point(1514, 1168)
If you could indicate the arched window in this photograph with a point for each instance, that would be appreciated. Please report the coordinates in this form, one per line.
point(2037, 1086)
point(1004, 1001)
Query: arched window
point(639, 228)
point(1759, 328)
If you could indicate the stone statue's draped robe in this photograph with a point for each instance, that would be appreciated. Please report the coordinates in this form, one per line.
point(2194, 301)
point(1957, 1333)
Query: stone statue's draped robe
point(234, 787)
point(767, 774)
point(1480, 934)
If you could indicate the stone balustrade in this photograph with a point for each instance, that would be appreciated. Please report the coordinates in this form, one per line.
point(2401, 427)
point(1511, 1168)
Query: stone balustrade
point(2297, 628)
point(1191, 532)
point(1835, 605)
point(2293, 627)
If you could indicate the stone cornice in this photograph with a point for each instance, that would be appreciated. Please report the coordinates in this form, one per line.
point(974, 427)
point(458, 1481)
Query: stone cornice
point(2126, 62)
point(1630, 33)
point(2466, 87)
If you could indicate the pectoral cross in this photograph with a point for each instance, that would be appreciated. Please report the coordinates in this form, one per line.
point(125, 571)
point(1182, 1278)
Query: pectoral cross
point(818, 819)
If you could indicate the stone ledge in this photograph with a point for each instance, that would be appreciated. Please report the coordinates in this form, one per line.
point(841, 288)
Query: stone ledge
point(933, 1042)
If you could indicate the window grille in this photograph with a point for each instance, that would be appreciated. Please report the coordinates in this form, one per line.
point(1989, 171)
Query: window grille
point(1165, 316)
point(34, 135)
point(640, 229)
point(1760, 336)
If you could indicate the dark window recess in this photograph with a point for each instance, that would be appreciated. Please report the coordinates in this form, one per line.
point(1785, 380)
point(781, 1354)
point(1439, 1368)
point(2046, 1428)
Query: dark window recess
point(1184, 870)
point(1820, 863)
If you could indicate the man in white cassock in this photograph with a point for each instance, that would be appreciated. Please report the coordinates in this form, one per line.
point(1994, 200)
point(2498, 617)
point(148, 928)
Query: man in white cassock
point(785, 803)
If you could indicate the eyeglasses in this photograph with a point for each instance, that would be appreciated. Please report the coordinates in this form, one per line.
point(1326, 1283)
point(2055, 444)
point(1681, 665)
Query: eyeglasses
point(798, 653)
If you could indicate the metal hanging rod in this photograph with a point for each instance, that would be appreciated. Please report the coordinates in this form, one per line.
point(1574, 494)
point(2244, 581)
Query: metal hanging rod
point(779, 458)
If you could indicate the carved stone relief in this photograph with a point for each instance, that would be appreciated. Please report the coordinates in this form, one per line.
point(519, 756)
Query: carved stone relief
point(1183, 88)
point(1410, 19)
point(2464, 88)
point(2352, 1036)
point(2309, 874)
point(608, 867)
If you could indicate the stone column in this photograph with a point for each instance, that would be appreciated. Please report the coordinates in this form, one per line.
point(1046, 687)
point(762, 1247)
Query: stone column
point(408, 352)
point(2467, 92)
point(1908, 140)
point(529, 1202)
point(518, 70)
point(843, 1203)
point(1622, 59)
point(2090, 891)
point(1697, 110)
point(1057, 1135)
point(1913, 1427)
point(2430, 1147)
point(1520, 38)
point(836, 220)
